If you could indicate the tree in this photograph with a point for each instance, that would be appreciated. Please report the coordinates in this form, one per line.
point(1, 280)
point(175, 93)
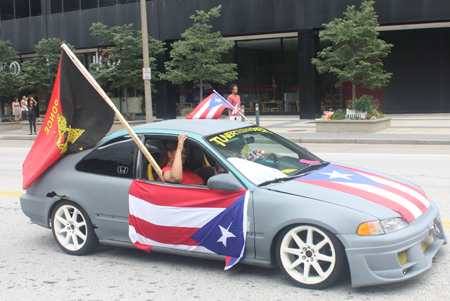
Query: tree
point(38, 74)
point(122, 63)
point(9, 82)
point(197, 58)
point(356, 53)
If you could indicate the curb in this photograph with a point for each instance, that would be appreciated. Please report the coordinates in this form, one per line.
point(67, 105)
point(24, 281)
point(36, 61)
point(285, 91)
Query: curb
point(18, 137)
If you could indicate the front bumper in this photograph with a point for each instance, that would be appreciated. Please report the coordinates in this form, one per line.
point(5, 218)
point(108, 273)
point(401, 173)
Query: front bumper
point(375, 259)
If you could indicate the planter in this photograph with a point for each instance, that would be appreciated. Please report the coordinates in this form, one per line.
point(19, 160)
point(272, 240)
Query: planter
point(352, 126)
point(117, 126)
point(10, 126)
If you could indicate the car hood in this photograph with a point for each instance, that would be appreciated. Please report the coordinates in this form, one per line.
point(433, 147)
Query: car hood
point(378, 194)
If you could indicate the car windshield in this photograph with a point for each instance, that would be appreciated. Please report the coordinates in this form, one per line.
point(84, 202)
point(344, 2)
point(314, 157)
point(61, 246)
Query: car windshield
point(261, 155)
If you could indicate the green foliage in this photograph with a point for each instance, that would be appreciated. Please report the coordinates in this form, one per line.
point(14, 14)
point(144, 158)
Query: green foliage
point(9, 82)
point(8, 119)
point(338, 115)
point(38, 74)
point(364, 103)
point(197, 58)
point(356, 53)
point(124, 60)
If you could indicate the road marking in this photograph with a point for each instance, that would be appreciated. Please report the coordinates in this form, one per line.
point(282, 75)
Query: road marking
point(11, 194)
point(446, 225)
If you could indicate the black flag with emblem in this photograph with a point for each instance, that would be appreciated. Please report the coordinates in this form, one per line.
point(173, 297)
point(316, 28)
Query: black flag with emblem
point(77, 118)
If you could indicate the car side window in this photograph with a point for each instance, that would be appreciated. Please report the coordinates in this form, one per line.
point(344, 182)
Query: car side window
point(113, 159)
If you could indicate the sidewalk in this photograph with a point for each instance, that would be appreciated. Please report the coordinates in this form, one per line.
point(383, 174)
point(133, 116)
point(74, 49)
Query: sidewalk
point(431, 129)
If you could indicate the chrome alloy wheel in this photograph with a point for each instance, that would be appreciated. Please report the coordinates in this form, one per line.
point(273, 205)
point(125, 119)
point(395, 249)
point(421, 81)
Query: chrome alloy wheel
point(310, 256)
point(70, 227)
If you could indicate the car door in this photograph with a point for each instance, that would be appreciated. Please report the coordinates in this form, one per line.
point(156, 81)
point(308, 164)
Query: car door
point(177, 216)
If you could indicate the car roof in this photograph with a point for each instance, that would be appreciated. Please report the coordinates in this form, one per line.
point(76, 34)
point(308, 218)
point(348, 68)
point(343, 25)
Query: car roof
point(203, 127)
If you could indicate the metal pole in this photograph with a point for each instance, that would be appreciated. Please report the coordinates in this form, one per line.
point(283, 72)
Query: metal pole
point(243, 113)
point(147, 87)
point(257, 114)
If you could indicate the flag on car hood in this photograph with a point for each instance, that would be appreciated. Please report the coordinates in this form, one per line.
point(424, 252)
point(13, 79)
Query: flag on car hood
point(77, 118)
point(210, 108)
point(189, 219)
point(404, 199)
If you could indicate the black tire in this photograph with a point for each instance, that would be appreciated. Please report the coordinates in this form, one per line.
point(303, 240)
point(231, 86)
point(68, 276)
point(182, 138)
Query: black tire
point(72, 229)
point(321, 258)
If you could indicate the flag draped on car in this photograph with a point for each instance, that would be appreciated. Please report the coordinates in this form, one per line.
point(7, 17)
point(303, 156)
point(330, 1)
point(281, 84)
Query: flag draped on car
point(77, 118)
point(210, 108)
point(408, 201)
point(190, 219)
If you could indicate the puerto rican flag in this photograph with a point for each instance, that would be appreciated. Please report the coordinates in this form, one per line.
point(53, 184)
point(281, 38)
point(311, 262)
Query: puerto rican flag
point(404, 199)
point(210, 108)
point(190, 219)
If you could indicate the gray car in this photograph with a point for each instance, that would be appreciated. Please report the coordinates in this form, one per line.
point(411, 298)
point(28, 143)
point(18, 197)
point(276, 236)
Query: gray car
point(312, 218)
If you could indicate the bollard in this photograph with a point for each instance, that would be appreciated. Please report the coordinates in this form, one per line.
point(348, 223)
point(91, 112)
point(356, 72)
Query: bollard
point(243, 113)
point(257, 114)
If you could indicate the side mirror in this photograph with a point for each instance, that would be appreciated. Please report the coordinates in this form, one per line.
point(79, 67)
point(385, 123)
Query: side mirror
point(225, 182)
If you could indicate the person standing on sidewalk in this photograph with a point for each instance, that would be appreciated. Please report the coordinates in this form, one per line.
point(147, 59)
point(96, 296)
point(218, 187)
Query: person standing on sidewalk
point(32, 114)
point(16, 109)
point(235, 101)
point(24, 107)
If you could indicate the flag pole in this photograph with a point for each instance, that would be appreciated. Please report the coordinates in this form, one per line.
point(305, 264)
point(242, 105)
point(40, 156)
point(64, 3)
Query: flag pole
point(239, 109)
point(119, 116)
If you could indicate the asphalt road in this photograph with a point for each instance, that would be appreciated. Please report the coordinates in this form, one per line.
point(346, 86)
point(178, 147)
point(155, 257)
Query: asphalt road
point(32, 267)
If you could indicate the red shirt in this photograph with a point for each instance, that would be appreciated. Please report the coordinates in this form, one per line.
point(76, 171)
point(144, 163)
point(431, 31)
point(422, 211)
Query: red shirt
point(234, 100)
point(188, 177)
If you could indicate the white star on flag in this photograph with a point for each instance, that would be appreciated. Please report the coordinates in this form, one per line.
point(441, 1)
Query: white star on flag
point(225, 234)
point(338, 175)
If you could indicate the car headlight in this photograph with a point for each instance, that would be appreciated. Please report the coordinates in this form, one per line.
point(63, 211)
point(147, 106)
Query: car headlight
point(382, 227)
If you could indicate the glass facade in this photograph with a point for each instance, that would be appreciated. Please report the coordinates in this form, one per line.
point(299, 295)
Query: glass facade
point(267, 76)
point(18, 9)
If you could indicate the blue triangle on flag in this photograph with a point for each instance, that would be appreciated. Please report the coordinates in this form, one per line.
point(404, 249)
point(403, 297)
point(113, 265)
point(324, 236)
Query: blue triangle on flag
point(216, 100)
point(224, 235)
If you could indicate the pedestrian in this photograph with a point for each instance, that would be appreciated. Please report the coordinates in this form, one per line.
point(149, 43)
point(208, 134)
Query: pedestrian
point(235, 101)
point(24, 107)
point(16, 109)
point(32, 114)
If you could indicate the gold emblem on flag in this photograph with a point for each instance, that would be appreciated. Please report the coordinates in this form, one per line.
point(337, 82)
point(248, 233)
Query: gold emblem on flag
point(72, 134)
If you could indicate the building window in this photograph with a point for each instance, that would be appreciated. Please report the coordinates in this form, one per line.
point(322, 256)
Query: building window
point(126, 1)
point(88, 4)
point(103, 3)
point(71, 5)
point(56, 6)
point(35, 7)
point(22, 9)
point(7, 9)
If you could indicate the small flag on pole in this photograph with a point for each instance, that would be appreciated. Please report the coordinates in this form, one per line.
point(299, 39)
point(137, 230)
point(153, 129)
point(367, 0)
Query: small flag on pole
point(210, 108)
point(77, 118)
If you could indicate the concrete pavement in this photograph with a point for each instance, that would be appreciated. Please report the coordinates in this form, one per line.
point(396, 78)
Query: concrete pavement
point(426, 129)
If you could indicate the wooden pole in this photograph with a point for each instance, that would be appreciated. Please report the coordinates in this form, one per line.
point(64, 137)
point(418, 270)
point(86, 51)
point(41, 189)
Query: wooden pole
point(119, 116)
point(238, 109)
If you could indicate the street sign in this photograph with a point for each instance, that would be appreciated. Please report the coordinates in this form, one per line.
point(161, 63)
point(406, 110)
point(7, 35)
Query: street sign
point(147, 73)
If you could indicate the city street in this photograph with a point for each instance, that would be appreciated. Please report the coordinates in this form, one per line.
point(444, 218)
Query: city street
point(33, 267)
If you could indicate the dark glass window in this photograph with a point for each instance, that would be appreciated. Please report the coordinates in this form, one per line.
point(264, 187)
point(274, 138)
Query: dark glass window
point(56, 6)
point(7, 9)
point(113, 159)
point(22, 9)
point(87, 4)
point(126, 1)
point(35, 7)
point(71, 5)
point(103, 3)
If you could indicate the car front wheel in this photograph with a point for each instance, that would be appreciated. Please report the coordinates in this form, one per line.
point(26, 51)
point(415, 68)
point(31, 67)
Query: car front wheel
point(73, 229)
point(310, 256)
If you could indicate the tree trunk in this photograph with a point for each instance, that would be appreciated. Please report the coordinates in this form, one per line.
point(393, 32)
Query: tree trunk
point(201, 90)
point(126, 99)
point(353, 95)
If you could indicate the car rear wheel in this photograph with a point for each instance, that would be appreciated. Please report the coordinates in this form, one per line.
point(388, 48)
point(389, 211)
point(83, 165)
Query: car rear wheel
point(310, 256)
point(73, 229)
